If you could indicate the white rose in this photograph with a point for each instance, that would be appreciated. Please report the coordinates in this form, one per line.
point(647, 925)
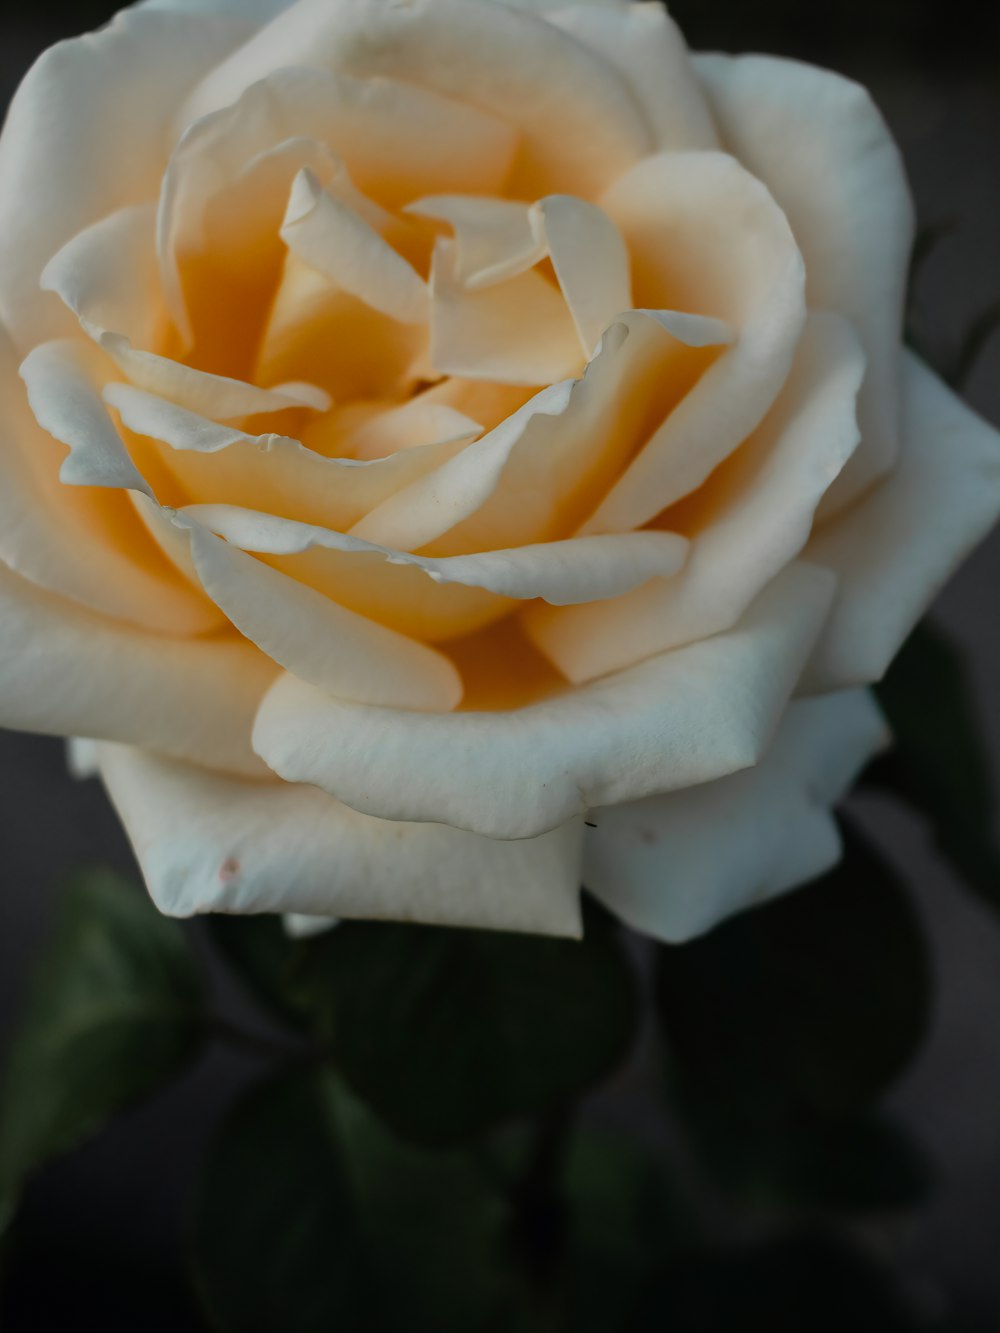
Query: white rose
point(477, 418)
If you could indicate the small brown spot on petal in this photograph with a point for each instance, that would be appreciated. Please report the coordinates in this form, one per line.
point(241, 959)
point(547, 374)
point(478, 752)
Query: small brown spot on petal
point(229, 869)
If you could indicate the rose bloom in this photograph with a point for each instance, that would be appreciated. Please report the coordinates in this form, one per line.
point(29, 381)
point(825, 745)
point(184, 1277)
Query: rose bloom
point(463, 452)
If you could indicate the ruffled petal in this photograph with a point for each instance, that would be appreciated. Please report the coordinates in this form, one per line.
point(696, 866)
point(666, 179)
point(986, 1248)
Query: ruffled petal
point(896, 547)
point(254, 847)
point(67, 672)
point(337, 650)
point(821, 147)
point(747, 523)
point(495, 239)
point(216, 463)
point(705, 236)
point(675, 866)
point(685, 717)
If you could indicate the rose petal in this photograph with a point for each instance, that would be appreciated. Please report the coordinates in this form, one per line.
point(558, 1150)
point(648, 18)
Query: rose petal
point(661, 864)
point(582, 569)
point(495, 239)
point(538, 474)
point(255, 847)
point(82, 542)
point(685, 717)
point(590, 262)
point(579, 122)
point(67, 672)
point(515, 332)
point(705, 235)
point(335, 649)
point(755, 517)
point(820, 145)
point(645, 44)
point(893, 550)
point(332, 238)
point(67, 136)
point(220, 463)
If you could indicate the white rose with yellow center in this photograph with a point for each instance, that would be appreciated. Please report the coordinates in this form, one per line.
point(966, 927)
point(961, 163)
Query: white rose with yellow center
point(470, 453)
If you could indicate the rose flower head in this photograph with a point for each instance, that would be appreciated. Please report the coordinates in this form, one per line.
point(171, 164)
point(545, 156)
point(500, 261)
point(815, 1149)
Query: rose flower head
point(462, 451)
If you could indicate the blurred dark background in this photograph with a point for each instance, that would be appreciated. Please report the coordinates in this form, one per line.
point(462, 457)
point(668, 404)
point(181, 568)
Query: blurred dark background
point(99, 1245)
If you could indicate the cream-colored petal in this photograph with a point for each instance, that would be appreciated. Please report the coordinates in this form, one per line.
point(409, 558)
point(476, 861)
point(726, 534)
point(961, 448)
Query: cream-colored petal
point(755, 518)
point(328, 645)
point(582, 569)
point(87, 107)
point(64, 380)
point(675, 866)
point(219, 463)
point(81, 542)
point(580, 123)
point(329, 236)
point(895, 548)
point(254, 847)
point(515, 332)
point(67, 672)
point(255, 11)
point(820, 145)
point(108, 275)
point(538, 474)
point(495, 239)
point(590, 261)
point(705, 236)
point(685, 717)
point(645, 44)
point(415, 424)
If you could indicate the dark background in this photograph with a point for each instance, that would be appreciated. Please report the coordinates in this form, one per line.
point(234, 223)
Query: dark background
point(99, 1244)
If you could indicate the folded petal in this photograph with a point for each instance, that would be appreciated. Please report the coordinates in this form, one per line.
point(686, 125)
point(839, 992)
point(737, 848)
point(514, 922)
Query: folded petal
point(705, 236)
point(675, 866)
point(515, 332)
point(215, 463)
point(539, 473)
point(209, 843)
point(748, 521)
point(590, 262)
point(580, 123)
point(82, 542)
point(87, 107)
point(494, 238)
point(821, 147)
point(67, 672)
point(894, 548)
point(684, 717)
point(336, 649)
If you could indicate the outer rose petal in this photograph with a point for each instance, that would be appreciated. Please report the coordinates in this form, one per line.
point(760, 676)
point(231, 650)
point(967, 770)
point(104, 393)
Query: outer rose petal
point(87, 132)
point(580, 122)
point(644, 42)
point(823, 150)
point(674, 866)
point(678, 719)
point(274, 847)
point(256, 11)
point(66, 672)
point(896, 547)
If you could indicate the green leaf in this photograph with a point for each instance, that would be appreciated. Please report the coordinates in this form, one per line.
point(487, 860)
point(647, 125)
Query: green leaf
point(311, 1217)
point(448, 1032)
point(114, 1011)
point(805, 1009)
point(939, 763)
